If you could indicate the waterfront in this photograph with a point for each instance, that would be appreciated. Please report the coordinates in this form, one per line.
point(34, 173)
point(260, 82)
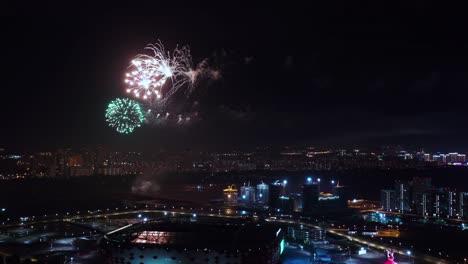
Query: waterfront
point(105, 209)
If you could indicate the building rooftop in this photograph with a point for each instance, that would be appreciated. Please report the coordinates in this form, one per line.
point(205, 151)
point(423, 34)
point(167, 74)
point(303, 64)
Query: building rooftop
point(190, 235)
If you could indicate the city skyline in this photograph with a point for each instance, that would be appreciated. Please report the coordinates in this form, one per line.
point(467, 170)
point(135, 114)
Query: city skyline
point(231, 132)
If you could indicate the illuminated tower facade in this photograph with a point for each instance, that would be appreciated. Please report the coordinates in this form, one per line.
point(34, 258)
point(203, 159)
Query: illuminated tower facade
point(402, 191)
point(388, 200)
point(262, 193)
point(247, 194)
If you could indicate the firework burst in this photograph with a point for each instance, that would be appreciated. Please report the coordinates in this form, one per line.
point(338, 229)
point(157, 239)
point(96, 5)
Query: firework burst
point(124, 115)
point(149, 73)
point(165, 82)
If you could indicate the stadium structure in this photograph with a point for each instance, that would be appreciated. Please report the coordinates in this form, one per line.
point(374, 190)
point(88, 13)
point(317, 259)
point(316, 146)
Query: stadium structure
point(214, 242)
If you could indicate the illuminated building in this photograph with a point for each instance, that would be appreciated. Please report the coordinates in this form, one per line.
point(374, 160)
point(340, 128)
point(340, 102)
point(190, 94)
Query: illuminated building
point(262, 193)
point(420, 186)
point(42, 164)
point(330, 253)
point(440, 203)
point(452, 157)
point(330, 204)
point(194, 242)
point(286, 205)
point(423, 204)
point(463, 204)
point(440, 158)
point(388, 200)
point(230, 195)
point(456, 157)
point(274, 195)
point(305, 235)
point(343, 193)
point(402, 191)
point(310, 194)
point(61, 157)
point(452, 203)
point(297, 201)
point(247, 194)
point(427, 157)
point(444, 203)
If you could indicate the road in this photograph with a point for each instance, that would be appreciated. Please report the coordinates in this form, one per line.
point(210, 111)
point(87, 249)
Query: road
point(371, 244)
point(360, 241)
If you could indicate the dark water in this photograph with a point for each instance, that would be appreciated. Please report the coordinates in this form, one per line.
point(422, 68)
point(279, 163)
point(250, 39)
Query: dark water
point(44, 196)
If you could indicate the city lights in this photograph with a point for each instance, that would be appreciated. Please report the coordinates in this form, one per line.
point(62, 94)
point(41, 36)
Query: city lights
point(201, 133)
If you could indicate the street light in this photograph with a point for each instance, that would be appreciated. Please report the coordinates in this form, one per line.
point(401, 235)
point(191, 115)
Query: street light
point(408, 252)
point(309, 179)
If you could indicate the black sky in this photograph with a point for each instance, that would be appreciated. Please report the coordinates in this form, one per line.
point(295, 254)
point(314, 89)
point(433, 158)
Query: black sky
point(334, 73)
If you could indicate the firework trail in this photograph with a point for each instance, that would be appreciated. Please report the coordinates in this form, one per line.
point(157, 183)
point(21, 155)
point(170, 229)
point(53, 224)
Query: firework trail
point(177, 114)
point(165, 82)
point(150, 73)
point(185, 74)
point(165, 117)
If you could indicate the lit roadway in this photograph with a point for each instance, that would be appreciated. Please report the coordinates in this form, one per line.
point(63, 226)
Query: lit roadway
point(427, 259)
point(105, 215)
point(361, 241)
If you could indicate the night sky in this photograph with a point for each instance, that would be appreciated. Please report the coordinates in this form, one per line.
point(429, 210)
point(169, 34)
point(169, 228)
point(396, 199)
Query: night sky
point(331, 74)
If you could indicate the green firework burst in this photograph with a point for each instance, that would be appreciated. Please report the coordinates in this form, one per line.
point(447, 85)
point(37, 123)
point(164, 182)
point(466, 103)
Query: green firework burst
point(124, 115)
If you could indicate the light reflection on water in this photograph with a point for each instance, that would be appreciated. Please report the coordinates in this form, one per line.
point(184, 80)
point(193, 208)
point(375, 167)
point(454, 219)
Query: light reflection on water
point(189, 192)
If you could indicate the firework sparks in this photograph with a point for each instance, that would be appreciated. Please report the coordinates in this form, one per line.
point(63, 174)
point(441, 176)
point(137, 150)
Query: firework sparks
point(164, 118)
point(149, 73)
point(159, 77)
point(124, 115)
